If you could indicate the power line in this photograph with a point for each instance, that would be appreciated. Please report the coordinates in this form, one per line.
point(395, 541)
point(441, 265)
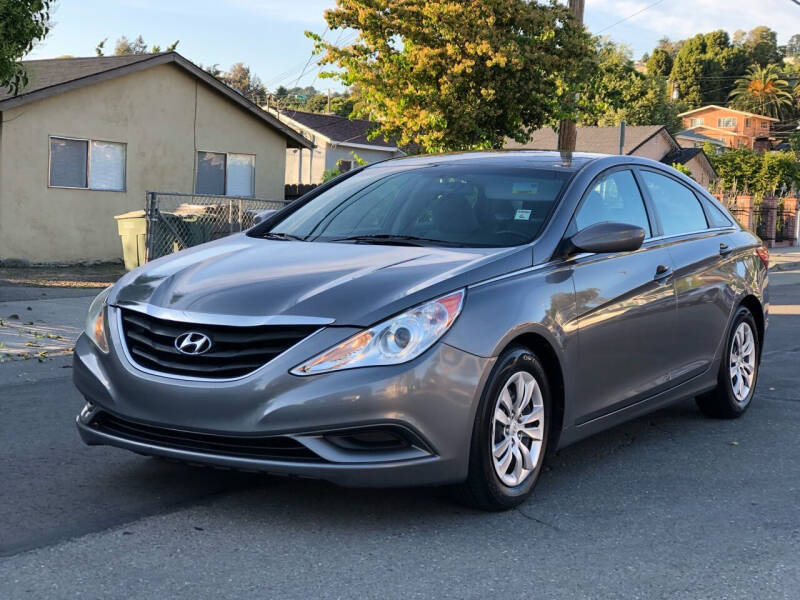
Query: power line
point(640, 11)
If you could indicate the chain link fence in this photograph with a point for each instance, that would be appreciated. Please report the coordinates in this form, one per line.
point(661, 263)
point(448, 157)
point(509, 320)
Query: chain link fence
point(177, 221)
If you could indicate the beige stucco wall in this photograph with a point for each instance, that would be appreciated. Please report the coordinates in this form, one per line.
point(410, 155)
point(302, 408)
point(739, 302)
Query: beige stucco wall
point(700, 171)
point(655, 148)
point(325, 157)
point(153, 112)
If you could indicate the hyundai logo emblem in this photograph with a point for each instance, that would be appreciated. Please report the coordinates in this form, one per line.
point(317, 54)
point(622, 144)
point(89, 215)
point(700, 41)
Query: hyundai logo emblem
point(193, 343)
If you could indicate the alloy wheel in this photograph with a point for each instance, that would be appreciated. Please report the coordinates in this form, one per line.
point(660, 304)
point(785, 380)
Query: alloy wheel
point(742, 362)
point(517, 429)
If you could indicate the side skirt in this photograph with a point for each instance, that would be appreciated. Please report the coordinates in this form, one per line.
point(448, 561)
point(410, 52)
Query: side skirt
point(701, 383)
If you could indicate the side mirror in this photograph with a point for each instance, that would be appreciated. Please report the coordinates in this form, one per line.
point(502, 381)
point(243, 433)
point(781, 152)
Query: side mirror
point(608, 237)
point(263, 216)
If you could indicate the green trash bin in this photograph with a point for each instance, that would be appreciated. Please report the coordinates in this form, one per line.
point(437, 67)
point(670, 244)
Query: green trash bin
point(132, 228)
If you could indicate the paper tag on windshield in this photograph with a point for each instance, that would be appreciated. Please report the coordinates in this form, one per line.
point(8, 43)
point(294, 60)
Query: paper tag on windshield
point(522, 215)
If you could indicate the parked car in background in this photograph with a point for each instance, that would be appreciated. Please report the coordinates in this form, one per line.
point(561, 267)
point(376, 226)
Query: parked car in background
point(433, 320)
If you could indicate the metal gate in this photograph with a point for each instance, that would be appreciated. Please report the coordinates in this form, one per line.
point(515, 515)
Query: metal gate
point(176, 221)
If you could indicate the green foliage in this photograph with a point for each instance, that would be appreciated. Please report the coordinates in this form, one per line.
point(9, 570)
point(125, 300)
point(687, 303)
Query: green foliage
point(22, 24)
point(328, 174)
point(762, 91)
point(248, 84)
point(309, 99)
point(124, 47)
point(620, 93)
point(704, 67)
point(659, 63)
point(757, 173)
point(762, 46)
point(460, 75)
point(682, 169)
point(792, 48)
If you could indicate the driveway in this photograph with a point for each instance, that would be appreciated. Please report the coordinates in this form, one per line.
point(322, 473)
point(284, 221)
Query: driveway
point(672, 505)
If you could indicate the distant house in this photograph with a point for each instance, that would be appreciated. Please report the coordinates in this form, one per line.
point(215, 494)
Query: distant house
point(688, 138)
point(735, 128)
point(337, 141)
point(87, 137)
point(648, 141)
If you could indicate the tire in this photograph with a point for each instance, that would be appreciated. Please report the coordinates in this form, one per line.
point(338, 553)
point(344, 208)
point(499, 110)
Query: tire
point(734, 393)
point(484, 487)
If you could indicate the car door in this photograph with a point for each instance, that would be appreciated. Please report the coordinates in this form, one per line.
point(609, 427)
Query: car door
point(700, 242)
point(625, 303)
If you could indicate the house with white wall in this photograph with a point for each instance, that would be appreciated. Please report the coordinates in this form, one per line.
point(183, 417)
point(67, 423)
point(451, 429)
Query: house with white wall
point(338, 142)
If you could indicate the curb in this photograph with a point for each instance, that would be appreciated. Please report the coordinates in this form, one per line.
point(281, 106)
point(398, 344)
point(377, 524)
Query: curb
point(787, 266)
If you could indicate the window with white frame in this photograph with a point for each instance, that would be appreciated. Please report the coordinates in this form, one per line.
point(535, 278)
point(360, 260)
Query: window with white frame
point(87, 164)
point(225, 174)
point(726, 122)
point(695, 122)
point(764, 124)
point(747, 122)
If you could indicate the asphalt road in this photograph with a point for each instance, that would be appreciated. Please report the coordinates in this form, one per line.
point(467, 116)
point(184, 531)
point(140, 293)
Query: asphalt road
point(673, 505)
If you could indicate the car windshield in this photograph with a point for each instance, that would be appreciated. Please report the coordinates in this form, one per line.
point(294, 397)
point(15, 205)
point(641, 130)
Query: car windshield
point(451, 205)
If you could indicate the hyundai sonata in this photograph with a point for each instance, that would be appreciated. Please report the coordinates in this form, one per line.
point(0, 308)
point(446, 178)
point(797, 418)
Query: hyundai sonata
point(433, 320)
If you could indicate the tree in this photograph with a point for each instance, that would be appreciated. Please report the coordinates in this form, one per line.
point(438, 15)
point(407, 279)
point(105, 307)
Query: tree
point(246, 83)
point(792, 48)
point(704, 68)
point(124, 46)
point(620, 93)
point(459, 75)
point(762, 91)
point(659, 63)
point(22, 24)
point(762, 44)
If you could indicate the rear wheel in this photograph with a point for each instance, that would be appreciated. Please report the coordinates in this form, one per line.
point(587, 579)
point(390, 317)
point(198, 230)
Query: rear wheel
point(509, 437)
point(738, 372)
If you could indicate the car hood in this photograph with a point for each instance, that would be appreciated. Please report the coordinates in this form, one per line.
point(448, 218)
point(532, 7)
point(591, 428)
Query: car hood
point(350, 284)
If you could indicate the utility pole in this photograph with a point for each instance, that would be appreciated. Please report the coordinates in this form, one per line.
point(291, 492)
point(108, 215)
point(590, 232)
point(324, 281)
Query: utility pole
point(329, 101)
point(567, 134)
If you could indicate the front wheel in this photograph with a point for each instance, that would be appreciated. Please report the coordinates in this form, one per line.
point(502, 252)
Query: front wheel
point(509, 437)
point(736, 382)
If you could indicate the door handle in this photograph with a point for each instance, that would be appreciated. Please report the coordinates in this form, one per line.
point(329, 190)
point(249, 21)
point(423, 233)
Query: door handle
point(724, 249)
point(662, 272)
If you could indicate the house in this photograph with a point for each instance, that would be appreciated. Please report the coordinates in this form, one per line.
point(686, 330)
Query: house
point(648, 141)
point(87, 137)
point(736, 128)
point(337, 142)
point(689, 138)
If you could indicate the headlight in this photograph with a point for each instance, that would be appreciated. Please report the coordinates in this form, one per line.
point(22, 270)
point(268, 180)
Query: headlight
point(96, 320)
point(400, 339)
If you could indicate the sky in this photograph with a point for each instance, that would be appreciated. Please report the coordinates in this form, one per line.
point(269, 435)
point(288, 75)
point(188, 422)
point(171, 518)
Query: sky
point(268, 34)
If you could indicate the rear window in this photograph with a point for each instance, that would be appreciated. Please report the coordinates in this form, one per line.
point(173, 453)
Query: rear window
point(439, 204)
point(716, 217)
point(678, 208)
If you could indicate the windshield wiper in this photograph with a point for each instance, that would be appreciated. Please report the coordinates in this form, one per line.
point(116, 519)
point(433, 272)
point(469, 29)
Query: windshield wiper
point(392, 239)
point(274, 235)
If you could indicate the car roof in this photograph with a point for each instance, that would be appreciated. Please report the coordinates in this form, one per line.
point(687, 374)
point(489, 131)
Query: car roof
point(510, 158)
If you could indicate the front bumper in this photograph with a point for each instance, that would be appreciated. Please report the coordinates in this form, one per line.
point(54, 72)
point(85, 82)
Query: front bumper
point(429, 403)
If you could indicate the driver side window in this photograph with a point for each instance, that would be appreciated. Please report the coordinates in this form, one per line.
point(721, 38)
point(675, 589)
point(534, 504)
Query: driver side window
point(614, 198)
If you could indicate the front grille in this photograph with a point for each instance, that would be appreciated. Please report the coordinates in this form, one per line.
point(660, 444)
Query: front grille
point(235, 351)
point(265, 448)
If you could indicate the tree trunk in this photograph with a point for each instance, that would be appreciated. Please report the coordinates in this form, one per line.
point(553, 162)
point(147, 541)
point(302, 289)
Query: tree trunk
point(567, 133)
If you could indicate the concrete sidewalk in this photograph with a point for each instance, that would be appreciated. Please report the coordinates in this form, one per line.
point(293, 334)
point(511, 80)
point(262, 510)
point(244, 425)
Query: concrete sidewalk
point(784, 259)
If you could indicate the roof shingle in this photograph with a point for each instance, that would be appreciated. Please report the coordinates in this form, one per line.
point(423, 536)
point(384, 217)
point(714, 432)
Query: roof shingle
point(56, 75)
point(340, 129)
point(600, 140)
